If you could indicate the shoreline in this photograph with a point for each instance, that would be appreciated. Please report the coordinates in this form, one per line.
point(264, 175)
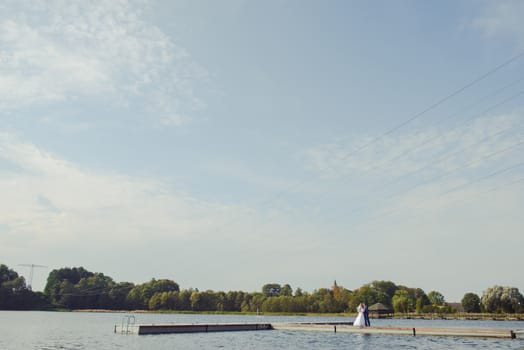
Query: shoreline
point(457, 316)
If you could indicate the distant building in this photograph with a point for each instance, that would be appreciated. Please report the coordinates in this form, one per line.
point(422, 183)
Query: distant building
point(457, 306)
point(380, 310)
point(335, 285)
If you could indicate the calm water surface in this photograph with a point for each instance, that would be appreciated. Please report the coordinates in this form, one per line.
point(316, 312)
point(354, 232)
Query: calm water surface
point(21, 330)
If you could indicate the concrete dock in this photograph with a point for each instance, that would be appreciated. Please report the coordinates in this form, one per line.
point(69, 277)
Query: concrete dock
point(333, 327)
point(412, 331)
point(143, 329)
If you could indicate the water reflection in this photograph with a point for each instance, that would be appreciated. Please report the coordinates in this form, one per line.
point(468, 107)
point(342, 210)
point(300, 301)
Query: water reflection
point(75, 331)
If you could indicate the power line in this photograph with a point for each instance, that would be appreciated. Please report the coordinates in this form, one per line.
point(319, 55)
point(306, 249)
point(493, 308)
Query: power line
point(433, 162)
point(498, 172)
point(439, 136)
point(462, 199)
point(442, 159)
point(467, 165)
point(493, 189)
point(435, 105)
point(457, 188)
point(442, 175)
point(401, 193)
point(387, 132)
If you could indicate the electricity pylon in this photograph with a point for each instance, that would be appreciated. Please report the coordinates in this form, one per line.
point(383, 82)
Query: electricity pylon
point(32, 266)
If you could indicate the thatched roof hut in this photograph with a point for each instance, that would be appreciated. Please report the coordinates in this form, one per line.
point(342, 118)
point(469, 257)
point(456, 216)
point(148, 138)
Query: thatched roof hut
point(380, 310)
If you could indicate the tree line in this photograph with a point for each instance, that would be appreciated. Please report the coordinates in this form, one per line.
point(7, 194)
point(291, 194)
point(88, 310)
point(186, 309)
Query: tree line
point(78, 288)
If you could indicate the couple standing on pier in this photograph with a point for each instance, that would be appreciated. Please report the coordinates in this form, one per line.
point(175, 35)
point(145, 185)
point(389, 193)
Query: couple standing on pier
point(362, 319)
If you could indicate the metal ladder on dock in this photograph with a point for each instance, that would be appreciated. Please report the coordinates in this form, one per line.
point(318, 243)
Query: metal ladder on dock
point(127, 326)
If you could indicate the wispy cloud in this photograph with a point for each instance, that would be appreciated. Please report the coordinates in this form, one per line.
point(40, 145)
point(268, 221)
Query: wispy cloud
point(437, 150)
point(503, 18)
point(65, 51)
point(51, 206)
point(425, 172)
point(51, 199)
point(452, 203)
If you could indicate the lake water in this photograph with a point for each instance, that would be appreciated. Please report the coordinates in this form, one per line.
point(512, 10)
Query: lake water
point(21, 330)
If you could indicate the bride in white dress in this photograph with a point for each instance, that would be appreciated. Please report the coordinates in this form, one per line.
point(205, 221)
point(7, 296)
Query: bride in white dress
point(360, 321)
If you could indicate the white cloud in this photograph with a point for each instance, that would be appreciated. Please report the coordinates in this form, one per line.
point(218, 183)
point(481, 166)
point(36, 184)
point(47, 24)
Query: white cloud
point(503, 18)
point(60, 214)
point(383, 186)
point(462, 147)
point(55, 51)
point(52, 199)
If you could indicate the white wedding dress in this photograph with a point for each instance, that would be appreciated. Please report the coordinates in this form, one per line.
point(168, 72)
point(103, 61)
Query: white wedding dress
point(360, 320)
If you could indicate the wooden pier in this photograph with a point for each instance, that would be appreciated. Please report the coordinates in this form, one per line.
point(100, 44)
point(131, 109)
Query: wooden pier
point(412, 331)
point(333, 327)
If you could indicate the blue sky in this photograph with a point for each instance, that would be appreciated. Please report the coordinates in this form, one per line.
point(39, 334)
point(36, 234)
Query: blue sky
point(230, 144)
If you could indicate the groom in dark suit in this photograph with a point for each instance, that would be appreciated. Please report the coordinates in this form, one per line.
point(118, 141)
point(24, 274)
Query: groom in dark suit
point(366, 315)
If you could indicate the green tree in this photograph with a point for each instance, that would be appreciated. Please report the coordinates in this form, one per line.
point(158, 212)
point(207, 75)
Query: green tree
point(436, 298)
point(139, 296)
point(232, 300)
point(77, 288)
point(471, 302)
point(155, 302)
point(419, 307)
point(196, 301)
point(217, 301)
point(387, 287)
point(286, 290)
point(271, 289)
point(502, 300)
point(271, 305)
point(14, 294)
point(422, 301)
point(401, 301)
point(253, 302)
point(180, 300)
point(53, 289)
point(15, 285)
point(93, 292)
point(65, 296)
point(7, 274)
point(329, 300)
point(118, 295)
point(371, 293)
